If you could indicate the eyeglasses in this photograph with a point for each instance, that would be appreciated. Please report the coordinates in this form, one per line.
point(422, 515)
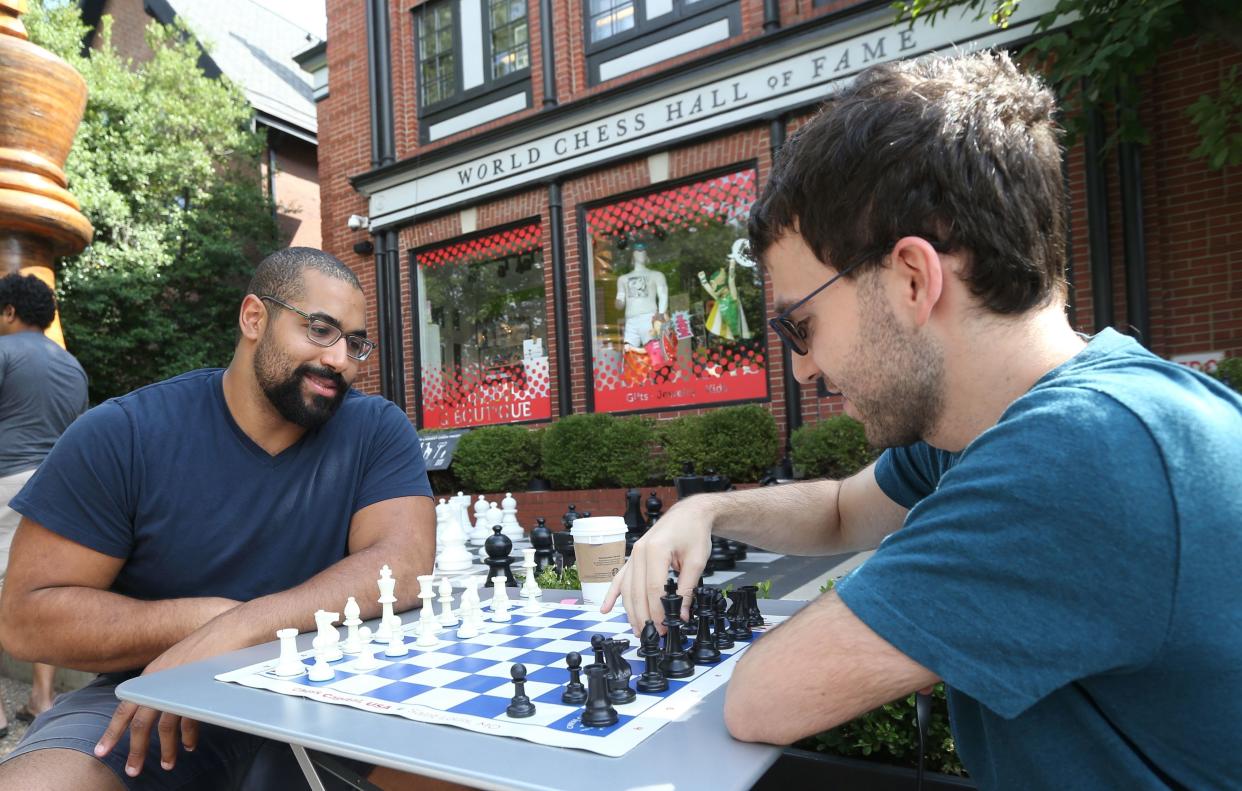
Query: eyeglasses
point(791, 332)
point(324, 333)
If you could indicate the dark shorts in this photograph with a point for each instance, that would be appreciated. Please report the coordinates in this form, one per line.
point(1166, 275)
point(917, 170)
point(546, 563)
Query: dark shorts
point(223, 760)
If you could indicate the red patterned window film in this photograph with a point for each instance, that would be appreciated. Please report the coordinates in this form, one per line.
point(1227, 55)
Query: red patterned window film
point(483, 331)
point(677, 303)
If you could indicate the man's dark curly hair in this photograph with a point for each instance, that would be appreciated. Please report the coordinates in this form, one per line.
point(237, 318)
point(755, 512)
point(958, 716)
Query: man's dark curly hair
point(32, 301)
point(963, 151)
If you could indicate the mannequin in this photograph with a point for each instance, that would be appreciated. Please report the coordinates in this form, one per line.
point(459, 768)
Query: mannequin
point(726, 318)
point(643, 293)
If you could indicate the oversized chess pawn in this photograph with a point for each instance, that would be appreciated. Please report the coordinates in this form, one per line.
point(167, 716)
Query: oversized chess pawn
point(567, 521)
point(482, 527)
point(498, 548)
point(541, 540)
point(655, 509)
point(508, 518)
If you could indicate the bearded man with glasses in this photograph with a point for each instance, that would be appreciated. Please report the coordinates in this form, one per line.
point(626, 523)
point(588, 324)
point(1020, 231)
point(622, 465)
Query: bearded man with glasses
point(1057, 517)
point(199, 515)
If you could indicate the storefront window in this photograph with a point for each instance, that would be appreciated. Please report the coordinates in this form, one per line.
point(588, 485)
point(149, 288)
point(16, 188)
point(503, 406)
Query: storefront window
point(677, 303)
point(483, 331)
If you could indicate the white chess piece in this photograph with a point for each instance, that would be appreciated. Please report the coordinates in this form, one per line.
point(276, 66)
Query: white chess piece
point(366, 660)
point(386, 586)
point(352, 644)
point(396, 640)
point(332, 637)
point(447, 617)
point(533, 605)
point(528, 564)
point(477, 616)
point(453, 555)
point(508, 518)
point(428, 628)
point(482, 529)
point(469, 607)
point(289, 664)
point(442, 510)
point(500, 600)
point(321, 670)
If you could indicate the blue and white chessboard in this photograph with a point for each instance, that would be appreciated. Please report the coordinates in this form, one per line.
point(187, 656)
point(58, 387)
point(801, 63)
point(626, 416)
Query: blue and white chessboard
point(466, 683)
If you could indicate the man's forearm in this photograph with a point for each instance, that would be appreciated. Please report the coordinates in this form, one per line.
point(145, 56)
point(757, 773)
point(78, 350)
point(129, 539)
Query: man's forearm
point(795, 518)
point(100, 631)
point(256, 621)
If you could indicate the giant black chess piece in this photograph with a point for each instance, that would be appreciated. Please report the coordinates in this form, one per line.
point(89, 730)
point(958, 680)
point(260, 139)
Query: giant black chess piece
point(635, 525)
point(655, 509)
point(567, 521)
point(498, 546)
point(541, 540)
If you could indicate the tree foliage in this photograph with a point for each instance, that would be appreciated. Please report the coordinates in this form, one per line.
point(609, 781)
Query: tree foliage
point(1097, 58)
point(166, 166)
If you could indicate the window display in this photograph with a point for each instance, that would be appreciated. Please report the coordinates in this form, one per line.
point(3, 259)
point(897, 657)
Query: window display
point(677, 302)
point(483, 331)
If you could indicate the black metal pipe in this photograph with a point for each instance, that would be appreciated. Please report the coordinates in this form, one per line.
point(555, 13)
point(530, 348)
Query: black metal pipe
point(416, 336)
point(1098, 244)
point(1138, 315)
point(771, 15)
point(396, 353)
point(383, 68)
point(549, 56)
point(381, 312)
point(373, 84)
point(793, 389)
point(560, 299)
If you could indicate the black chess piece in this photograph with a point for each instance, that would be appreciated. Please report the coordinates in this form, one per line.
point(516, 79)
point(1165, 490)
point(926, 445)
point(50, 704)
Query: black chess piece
point(648, 648)
point(567, 521)
point(724, 639)
point(737, 549)
point(674, 661)
point(597, 643)
point(564, 543)
point(655, 509)
point(753, 616)
point(635, 525)
point(740, 630)
point(520, 706)
point(619, 672)
point(498, 546)
point(541, 540)
point(704, 651)
point(575, 693)
point(598, 713)
point(652, 680)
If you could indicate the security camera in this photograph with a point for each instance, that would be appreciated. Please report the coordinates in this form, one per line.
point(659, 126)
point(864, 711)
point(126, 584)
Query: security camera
point(358, 223)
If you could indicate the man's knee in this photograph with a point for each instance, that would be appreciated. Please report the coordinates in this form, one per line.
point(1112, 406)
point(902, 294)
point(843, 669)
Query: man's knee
point(55, 769)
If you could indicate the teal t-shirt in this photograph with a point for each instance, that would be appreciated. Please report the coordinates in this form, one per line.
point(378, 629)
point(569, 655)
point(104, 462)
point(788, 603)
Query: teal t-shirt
point(1073, 576)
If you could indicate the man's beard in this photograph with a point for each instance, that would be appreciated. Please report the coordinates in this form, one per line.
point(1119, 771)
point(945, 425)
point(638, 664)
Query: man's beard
point(893, 377)
point(286, 394)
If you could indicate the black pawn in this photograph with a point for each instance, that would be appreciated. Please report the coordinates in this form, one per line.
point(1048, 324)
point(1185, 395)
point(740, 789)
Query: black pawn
point(498, 546)
point(598, 713)
point(520, 706)
point(541, 540)
point(652, 680)
point(723, 637)
point(655, 509)
point(741, 626)
point(575, 693)
point(704, 651)
point(567, 521)
point(597, 643)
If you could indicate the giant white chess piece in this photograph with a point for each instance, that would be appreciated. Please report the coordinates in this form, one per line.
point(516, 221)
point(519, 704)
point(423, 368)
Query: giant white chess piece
point(454, 556)
point(508, 519)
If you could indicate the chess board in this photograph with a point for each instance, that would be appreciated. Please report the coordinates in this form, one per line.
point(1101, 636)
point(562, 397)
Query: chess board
point(466, 683)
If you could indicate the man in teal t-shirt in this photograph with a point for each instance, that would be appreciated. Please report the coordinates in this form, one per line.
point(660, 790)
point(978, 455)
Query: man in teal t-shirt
point(1058, 519)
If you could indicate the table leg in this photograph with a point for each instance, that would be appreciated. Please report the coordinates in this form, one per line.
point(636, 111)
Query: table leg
point(308, 768)
point(311, 763)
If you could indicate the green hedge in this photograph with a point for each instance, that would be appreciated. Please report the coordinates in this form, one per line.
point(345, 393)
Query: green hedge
point(497, 458)
point(597, 450)
point(834, 448)
point(1229, 371)
point(739, 442)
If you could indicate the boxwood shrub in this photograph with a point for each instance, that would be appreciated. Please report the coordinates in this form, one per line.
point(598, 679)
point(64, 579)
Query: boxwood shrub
point(497, 458)
point(832, 448)
point(597, 450)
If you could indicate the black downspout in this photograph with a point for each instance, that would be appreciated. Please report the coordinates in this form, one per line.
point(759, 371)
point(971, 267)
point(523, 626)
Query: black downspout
point(560, 300)
point(1100, 249)
point(416, 336)
point(1130, 163)
point(793, 389)
point(771, 15)
point(549, 56)
point(383, 152)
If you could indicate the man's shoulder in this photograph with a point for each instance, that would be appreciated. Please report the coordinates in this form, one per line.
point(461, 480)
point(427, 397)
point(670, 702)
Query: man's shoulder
point(178, 390)
point(367, 409)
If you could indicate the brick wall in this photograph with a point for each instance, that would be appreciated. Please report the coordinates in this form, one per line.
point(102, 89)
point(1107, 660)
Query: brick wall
point(129, 23)
point(1192, 215)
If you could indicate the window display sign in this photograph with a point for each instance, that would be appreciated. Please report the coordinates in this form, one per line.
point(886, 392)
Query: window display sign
point(677, 302)
point(483, 331)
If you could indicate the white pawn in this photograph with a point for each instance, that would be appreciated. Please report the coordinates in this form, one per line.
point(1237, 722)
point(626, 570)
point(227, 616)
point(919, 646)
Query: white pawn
point(428, 628)
point(442, 511)
point(352, 644)
point(447, 616)
point(289, 664)
point(508, 518)
point(396, 643)
point(321, 670)
point(476, 616)
point(469, 622)
point(366, 661)
point(500, 600)
point(329, 633)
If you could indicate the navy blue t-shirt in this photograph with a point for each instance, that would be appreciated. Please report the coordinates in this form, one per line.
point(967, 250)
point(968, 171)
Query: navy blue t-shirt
point(1073, 574)
point(164, 478)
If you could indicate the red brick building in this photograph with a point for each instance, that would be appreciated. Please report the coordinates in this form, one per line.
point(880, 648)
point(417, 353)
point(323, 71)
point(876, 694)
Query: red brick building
point(553, 189)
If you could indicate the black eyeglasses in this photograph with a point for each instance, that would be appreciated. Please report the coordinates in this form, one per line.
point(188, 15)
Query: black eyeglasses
point(791, 332)
point(323, 333)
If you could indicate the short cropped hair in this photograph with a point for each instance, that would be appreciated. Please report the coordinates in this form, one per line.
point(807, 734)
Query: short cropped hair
point(963, 151)
point(32, 300)
point(280, 274)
